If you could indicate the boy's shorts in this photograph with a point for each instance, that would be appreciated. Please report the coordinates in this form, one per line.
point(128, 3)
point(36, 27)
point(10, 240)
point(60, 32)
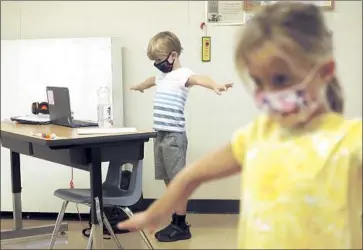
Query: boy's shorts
point(170, 151)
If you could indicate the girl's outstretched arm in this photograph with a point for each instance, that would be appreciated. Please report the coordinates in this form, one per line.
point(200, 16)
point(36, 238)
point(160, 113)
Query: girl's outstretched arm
point(216, 165)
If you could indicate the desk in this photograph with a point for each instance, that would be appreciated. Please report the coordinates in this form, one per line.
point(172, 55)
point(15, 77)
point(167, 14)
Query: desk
point(85, 152)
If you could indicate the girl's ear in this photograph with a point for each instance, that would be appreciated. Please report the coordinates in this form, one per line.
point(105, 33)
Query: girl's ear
point(327, 71)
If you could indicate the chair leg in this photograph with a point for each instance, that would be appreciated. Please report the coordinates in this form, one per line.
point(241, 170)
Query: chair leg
point(58, 224)
point(110, 230)
point(129, 213)
point(90, 239)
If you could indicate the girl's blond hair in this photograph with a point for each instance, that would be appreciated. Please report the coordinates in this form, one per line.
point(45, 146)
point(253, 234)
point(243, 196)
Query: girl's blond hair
point(301, 25)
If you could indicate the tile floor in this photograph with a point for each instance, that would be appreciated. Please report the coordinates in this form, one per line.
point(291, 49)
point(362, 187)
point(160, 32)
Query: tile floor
point(209, 232)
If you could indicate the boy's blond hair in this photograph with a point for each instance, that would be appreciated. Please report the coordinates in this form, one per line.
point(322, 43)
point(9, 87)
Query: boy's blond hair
point(162, 44)
point(302, 28)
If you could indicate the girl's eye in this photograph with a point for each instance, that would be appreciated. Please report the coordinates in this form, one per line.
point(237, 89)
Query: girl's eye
point(279, 80)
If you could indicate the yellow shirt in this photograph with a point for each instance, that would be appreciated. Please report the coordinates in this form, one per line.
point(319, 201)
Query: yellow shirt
point(301, 189)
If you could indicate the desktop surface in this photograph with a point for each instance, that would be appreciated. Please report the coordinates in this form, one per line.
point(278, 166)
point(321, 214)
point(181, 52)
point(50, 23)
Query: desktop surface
point(66, 136)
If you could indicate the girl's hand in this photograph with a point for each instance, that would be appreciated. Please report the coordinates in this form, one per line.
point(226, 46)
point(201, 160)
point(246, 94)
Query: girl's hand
point(141, 221)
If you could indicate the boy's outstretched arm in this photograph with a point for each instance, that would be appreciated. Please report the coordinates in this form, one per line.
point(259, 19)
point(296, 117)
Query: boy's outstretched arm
point(207, 82)
point(148, 83)
point(217, 165)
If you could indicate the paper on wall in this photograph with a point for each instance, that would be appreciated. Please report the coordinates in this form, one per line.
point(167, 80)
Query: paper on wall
point(231, 11)
point(225, 12)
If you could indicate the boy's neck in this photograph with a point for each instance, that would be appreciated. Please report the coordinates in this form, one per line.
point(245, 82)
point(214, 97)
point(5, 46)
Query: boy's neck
point(177, 65)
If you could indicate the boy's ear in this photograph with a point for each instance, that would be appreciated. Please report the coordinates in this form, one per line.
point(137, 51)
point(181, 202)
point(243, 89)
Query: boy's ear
point(328, 71)
point(174, 55)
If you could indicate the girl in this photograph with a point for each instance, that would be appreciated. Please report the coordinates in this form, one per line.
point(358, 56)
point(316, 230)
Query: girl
point(301, 161)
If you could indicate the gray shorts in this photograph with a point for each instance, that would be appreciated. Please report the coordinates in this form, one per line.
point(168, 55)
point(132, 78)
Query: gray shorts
point(170, 151)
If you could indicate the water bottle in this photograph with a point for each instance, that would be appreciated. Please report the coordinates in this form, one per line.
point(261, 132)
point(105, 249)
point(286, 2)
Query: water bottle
point(104, 108)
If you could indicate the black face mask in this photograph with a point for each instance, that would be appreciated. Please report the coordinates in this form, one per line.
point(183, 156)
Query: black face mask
point(165, 66)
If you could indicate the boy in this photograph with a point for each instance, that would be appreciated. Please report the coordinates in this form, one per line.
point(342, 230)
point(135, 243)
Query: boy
point(170, 145)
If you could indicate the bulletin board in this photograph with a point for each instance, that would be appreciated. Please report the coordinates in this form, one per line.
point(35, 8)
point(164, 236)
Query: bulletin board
point(252, 5)
point(219, 13)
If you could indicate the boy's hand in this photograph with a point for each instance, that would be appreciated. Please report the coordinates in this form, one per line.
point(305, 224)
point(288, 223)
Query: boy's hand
point(148, 83)
point(220, 88)
point(137, 88)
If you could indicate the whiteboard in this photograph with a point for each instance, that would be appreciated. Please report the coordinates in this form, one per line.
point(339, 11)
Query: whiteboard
point(27, 67)
point(82, 65)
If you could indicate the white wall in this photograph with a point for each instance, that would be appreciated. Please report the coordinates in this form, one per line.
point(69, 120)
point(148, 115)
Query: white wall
point(211, 119)
point(27, 67)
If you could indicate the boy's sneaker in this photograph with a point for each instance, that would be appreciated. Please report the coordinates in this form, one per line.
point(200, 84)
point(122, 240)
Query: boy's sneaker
point(174, 232)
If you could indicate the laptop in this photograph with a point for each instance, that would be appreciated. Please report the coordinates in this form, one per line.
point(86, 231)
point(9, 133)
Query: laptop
point(60, 109)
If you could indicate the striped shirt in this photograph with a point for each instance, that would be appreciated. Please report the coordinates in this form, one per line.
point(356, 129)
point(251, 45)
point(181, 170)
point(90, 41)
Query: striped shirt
point(170, 98)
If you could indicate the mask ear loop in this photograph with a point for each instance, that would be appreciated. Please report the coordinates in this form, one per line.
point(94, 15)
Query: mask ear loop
point(323, 97)
point(320, 98)
point(169, 56)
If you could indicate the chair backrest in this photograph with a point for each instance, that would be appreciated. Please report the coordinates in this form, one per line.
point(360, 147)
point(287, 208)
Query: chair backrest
point(112, 185)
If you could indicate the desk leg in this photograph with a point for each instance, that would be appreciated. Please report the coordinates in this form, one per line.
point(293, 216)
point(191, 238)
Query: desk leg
point(19, 231)
point(96, 191)
point(16, 189)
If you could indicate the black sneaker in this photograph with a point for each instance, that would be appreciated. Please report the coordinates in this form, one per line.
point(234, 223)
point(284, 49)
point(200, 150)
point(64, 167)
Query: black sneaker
point(173, 233)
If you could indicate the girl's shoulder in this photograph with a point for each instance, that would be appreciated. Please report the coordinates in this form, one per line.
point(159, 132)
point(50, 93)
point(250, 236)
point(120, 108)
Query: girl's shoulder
point(350, 127)
point(260, 127)
point(347, 132)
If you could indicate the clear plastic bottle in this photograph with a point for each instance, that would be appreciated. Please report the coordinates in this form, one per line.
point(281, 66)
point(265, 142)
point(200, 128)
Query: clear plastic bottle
point(104, 108)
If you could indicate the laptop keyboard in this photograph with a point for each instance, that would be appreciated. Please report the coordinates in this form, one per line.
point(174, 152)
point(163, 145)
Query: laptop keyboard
point(79, 123)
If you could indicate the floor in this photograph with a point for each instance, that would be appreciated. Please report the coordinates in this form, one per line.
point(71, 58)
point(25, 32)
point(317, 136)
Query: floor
point(209, 232)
